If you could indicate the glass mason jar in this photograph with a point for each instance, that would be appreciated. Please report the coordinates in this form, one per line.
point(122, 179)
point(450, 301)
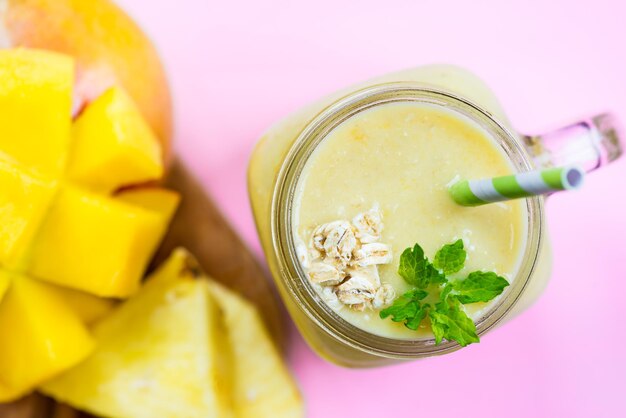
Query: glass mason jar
point(282, 152)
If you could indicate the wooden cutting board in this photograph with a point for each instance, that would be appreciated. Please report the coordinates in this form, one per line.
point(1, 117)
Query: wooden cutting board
point(200, 227)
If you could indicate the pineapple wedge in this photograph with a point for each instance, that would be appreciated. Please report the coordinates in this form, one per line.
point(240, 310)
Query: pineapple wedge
point(263, 386)
point(161, 354)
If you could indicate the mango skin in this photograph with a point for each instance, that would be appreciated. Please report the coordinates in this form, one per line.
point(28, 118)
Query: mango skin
point(113, 146)
point(40, 337)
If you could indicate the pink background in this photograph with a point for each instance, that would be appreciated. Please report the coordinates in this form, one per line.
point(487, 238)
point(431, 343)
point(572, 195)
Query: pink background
point(236, 67)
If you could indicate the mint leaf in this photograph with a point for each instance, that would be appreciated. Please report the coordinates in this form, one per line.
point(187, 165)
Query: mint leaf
point(443, 297)
point(417, 270)
point(450, 322)
point(479, 286)
point(451, 257)
point(408, 309)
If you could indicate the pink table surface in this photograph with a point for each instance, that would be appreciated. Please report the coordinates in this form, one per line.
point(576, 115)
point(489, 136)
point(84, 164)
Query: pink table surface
point(236, 67)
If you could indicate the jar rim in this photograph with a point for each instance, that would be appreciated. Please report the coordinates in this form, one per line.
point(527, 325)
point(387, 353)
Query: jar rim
point(296, 284)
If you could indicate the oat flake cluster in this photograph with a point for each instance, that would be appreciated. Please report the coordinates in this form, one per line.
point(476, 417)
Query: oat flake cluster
point(343, 257)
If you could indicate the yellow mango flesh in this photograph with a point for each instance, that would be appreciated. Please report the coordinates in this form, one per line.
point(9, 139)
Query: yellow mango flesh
point(35, 107)
point(160, 354)
point(24, 201)
point(154, 199)
point(57, 232)
point(5, 282)
point(87, 307)
point(106, 243)
point(40, 336)
point(113, 145)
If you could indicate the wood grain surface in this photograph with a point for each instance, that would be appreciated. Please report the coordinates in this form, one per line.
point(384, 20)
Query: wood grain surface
point(200, 227)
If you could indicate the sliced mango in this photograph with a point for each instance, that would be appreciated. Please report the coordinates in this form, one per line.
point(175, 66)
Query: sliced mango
point(159, 354)
point(263, 386)
point(88, 308)
point(60, 232)
point(113, 145)
point(36, 103)
point(106, 243)
point(9, 395)
point(24, 201)
point(5, 282)
point(154, 199)
point(40, 336)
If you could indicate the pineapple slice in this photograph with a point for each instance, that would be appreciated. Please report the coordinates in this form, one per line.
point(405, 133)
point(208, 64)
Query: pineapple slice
point(36, 103)
point(160, 354)
point(40, 337)
point(113, 145)
point(263, 386)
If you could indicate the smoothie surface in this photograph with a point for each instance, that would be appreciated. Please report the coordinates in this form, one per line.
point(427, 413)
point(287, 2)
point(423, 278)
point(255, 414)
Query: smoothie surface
point(400, 158)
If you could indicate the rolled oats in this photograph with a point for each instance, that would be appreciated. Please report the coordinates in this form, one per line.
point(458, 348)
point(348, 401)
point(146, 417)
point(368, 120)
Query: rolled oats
point(368, 225)
point(372, 254)
point(342, 262)
point(356, 290)
point(336, 240)
point(384, 296)
point(325, 274)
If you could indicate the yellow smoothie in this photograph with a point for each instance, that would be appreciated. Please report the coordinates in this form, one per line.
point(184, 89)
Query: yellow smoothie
point(400, 159)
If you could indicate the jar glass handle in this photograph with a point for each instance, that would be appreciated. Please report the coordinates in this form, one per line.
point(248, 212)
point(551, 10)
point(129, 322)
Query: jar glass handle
point(590, 144)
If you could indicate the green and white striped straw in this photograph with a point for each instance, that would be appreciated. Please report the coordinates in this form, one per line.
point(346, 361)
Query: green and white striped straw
point(532, 183)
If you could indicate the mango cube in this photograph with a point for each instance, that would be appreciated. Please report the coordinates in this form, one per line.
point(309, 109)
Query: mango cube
point(106, 243)
point(36, 103)
point(160, 354)
point(155, 199)
point(113, 145)
point(8, 395)
point(40, 336)
point(87, 307)
point(24, 201)
point(62, 234)
point(5, 282)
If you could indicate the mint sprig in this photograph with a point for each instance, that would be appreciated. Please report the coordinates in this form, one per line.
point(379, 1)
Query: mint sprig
point(449, 321)
point(479, 286)
point(451, 257)
point(416, 269)
point(447, 318)
point(408, 308)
